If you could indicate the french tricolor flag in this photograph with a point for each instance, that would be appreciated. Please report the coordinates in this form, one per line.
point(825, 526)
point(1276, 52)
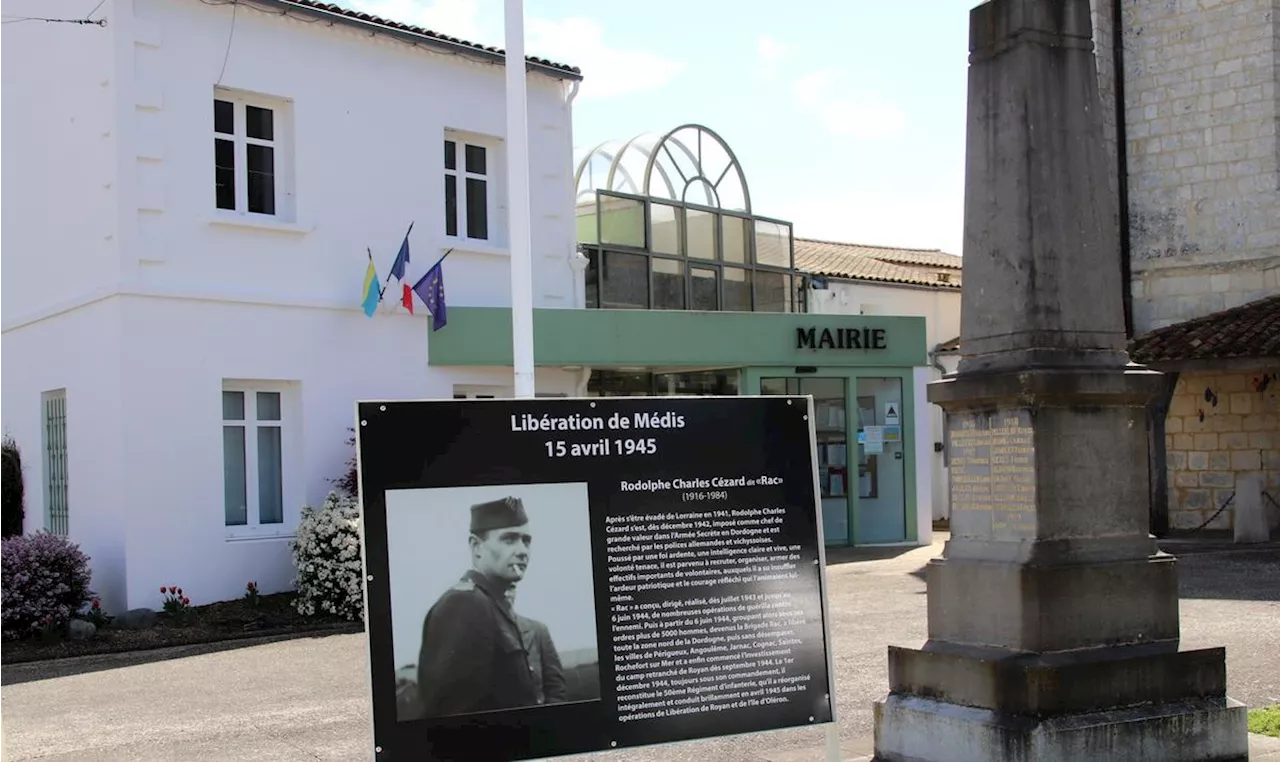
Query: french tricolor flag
point(397, 270)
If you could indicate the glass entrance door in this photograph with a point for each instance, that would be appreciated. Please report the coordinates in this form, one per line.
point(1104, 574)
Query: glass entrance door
point(881, 461)
point(831, 425)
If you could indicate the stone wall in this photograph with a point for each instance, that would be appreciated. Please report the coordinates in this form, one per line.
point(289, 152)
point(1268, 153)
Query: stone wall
point(1201, 113)
point(1238, 435)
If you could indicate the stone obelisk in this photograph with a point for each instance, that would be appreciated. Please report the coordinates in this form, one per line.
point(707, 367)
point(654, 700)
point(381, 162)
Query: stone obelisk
point(1053, 616)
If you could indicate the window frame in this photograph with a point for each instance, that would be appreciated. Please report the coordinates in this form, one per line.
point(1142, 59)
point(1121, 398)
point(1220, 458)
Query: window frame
point(281, 154)
point(492, 177)
point(254, 528)
point(57, 525)
point(596, 252)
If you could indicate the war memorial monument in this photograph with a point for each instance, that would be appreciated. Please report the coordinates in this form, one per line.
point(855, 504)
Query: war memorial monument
point(1053, 629)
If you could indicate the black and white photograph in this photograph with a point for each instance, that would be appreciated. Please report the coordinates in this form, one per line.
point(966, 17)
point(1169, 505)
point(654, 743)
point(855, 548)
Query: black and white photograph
point(492, 598)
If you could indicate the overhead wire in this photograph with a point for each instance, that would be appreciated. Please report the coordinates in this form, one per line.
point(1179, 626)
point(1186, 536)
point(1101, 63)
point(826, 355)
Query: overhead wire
point(231, 35)
point(88, 18)
point(20, 19)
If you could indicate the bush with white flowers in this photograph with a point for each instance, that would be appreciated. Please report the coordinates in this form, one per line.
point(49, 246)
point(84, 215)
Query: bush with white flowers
point(326, 558)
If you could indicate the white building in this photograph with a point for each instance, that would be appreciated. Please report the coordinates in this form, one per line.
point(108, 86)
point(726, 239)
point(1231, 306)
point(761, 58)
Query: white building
point(190, 190)
point(193, 187)
point(855, 279)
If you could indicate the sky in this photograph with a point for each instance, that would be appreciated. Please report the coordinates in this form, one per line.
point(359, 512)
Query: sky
point(847, 116)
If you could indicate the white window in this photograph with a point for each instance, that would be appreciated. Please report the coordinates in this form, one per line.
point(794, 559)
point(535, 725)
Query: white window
point(255, 463)
point(57, 512)
point(252, 168)
point(470, 190)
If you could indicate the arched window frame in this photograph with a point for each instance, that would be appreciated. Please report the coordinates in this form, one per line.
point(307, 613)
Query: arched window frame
point(613, 190)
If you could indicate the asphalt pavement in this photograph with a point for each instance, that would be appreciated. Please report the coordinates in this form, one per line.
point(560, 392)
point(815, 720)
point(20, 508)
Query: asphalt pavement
point(307, 698)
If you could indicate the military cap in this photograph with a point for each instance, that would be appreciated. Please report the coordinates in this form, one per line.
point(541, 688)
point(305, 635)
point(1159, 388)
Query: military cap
point(505, 512)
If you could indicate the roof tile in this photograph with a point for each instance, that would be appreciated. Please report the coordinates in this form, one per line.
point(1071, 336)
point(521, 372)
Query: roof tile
point(879, 263)
point(1250, 330)
point(388, 23)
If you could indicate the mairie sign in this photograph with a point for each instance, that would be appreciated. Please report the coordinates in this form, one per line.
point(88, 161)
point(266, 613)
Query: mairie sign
point(841, 338)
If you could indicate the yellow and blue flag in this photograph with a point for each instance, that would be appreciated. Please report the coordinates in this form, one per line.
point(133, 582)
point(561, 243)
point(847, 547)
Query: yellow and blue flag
point(372, 294)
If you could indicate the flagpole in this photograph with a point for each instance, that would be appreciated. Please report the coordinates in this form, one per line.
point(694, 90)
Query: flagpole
point(518, 183)
point(397, 259)
point(383, 288)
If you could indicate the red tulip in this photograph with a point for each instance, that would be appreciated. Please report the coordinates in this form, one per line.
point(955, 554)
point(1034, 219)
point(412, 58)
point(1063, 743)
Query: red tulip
point(186, 601)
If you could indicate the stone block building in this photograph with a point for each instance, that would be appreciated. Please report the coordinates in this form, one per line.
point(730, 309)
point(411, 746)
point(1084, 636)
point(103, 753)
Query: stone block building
point(1223, 416)
point(1191, 105)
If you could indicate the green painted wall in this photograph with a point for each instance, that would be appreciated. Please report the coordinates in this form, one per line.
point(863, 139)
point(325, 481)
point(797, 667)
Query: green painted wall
point(604, 338)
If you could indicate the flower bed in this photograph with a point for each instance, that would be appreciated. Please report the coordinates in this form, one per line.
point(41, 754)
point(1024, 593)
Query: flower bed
point(216, 622)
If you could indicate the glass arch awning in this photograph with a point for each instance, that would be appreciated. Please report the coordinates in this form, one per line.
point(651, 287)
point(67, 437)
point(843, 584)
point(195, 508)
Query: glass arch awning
point(689, 165)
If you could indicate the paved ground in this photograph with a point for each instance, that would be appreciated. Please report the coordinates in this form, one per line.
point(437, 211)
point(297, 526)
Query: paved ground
point(306, 699)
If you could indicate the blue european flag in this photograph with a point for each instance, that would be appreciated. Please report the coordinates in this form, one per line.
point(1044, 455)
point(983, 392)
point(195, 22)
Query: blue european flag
point(430, 288)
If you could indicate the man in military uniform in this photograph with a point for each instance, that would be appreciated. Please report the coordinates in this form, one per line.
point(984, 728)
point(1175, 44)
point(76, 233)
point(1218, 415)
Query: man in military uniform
point(473, 656)
point(548, 672)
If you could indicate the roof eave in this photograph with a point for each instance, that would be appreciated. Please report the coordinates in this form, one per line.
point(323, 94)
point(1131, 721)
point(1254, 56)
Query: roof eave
point(442, 45)
point(1189, 346)
point(867, 279)
point(1210, 364)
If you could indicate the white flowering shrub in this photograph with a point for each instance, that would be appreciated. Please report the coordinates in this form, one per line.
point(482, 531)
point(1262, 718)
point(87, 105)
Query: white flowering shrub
point(326, 559)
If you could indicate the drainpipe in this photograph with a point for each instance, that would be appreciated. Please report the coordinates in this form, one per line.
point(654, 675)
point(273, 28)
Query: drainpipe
point(934, 361)
point(942, 373)
point(577, 261)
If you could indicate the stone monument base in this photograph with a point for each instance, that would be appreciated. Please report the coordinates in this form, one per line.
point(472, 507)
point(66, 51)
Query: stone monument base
point(1053, 615)
point(1135, 703)
point(917, 729)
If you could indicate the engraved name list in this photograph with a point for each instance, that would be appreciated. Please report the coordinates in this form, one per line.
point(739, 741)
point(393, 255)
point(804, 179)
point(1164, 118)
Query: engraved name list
point(993, 478)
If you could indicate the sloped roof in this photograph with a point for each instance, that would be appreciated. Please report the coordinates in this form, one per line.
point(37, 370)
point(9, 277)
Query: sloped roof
point(1250, 330)
point(442, 41)
point(879, 263)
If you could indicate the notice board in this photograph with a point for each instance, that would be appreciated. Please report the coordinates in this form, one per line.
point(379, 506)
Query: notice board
point(556, 576)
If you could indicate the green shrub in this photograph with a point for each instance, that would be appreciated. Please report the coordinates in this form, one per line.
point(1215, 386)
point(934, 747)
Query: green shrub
point(1265, 720)
point(349, 484)
point(13, 507)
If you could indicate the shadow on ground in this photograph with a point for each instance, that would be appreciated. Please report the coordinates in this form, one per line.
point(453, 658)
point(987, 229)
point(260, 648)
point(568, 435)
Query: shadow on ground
point(1211, 541)
point(1212, 567)
point(16, 674)
point(1241, 575)
point(846, 555)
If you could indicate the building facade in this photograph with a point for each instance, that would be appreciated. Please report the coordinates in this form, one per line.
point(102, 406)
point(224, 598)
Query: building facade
point(1191, 97)
point(185, 233)
point(688, 289)
point(852, 279)
point(182, 309)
